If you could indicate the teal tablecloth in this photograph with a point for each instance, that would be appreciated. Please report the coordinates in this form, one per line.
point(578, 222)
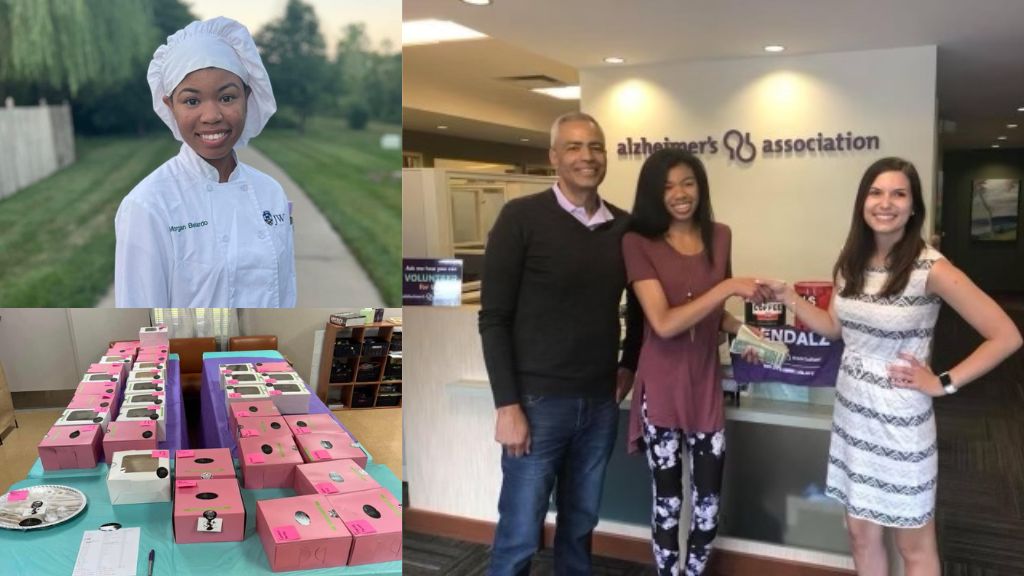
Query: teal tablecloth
point(54, 550)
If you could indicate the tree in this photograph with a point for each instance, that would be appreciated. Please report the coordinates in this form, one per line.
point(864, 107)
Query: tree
point(293, 50)
point(371, 82)
point(61, 46)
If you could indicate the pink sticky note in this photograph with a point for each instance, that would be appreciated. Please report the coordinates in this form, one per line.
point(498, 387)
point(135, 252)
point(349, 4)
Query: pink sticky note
point(360, 527)
point(147, 424)
point(16, 495)
point(152, 407)
point(270, 381)
point(232, 381)
point(300, 430)
point(157, 393)
point(241, 414)
point(224, 371)
point(185, 454)
point(160, 454)
point(249, 433)
point(255, 458)
point(326, 488)
point(234, 395)
point(321, 455)
point(186, 484)
point(274, 392)
point(285, 533)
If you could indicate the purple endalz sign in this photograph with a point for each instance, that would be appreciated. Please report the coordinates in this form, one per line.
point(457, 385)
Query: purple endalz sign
point(813, 360)
point(431, 282)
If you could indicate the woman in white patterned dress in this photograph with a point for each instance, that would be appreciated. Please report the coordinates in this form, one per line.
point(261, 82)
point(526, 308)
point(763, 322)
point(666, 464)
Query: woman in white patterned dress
point(883, 458)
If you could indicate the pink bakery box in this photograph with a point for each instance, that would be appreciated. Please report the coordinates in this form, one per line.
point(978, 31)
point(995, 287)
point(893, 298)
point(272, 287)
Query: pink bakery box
point(332, 477)
point(268, 462)
point(111, 389)
point(126, 344)
point(205, 464)
point(327, 446)
point(153, 350)
point(273, 367)
point(238, 409)
point(208, 511)
point(375, 520)
point(130, 435)
point(92, 378)
point(112, 369)
point(151, 357)
point(301, 533)
point(262, 427)
point(66, 447)
point(97, 402)
point(311, 423)
point(129, 351)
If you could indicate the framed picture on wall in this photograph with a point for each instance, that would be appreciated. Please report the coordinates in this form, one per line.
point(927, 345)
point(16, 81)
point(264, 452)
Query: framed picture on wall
point(994, 207)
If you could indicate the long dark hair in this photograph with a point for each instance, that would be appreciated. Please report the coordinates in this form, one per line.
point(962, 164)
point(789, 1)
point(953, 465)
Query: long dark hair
point(860, 242)
point(650, 217)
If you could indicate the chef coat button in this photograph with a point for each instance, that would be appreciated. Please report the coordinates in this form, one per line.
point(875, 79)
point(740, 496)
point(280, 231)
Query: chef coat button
point(245, 187)
point(224, 238)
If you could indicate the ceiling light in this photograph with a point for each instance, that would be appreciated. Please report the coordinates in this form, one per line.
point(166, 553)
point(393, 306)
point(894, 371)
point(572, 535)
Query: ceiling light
point(436, 31)
point(614, 60)
point(1021, 109)
point(524, 139)
point(774, 48)
point(1000, 137)
point(477, 2)
point(1011, 126)
point(560, 92)
point(442, 127)
point(995, 145)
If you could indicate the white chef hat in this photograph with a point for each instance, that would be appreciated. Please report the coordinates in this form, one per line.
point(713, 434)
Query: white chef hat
point(216, 43)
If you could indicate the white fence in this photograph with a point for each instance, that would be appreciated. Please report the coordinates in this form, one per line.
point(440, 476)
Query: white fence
point(35, 141)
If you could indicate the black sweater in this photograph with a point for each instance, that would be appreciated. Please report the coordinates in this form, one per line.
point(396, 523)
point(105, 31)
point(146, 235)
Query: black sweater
point(549, 304)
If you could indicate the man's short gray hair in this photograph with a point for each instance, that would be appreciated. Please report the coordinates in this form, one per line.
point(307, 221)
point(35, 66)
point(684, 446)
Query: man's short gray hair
point(572, 117)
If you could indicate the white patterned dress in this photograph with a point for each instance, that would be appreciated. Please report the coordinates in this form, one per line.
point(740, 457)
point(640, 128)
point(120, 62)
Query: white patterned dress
point(883, 457)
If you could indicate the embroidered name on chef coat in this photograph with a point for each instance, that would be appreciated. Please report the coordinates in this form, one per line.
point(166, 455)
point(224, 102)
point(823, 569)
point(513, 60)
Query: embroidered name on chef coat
point(187, 226)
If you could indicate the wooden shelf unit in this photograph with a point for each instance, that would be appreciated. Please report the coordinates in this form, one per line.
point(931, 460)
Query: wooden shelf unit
point(342, 381)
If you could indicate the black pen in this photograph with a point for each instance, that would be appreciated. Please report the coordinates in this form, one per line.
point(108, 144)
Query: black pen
point(152, 553)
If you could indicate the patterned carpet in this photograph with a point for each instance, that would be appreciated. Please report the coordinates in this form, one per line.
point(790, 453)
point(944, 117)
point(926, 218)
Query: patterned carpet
point(981, 477)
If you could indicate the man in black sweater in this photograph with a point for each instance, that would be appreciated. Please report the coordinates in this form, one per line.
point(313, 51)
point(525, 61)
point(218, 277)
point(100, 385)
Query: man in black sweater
point(552, 282)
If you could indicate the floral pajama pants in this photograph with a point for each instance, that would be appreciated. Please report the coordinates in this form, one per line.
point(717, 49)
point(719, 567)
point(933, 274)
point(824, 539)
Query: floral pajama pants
point(664, 447)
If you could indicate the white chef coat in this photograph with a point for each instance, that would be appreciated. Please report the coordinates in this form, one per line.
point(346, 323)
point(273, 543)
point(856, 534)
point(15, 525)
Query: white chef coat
point(185, 240)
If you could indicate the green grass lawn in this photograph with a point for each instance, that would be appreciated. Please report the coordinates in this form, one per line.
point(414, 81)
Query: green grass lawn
point(351, 180)
point(57, 236)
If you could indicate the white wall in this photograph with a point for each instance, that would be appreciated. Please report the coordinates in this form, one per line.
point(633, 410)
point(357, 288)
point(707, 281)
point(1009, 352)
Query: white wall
point(36, 140)
point(452, 462)
point(789, 213)
point(50, 348)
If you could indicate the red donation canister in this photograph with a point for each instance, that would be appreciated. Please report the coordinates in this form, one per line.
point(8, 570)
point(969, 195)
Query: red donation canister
point(817, 293)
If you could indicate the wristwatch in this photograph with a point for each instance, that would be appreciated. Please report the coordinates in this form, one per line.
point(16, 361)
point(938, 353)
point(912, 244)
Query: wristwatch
point(947, 383)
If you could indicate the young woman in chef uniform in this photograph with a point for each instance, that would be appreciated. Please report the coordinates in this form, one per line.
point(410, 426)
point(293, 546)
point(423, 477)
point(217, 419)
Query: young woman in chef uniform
point(205, 230)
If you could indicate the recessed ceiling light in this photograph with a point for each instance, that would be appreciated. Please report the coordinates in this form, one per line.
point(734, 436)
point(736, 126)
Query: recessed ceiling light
point(1000, 137)
point(561, 92)
point(995, 145)
point(774, 48)
point(436, 31)
point(1011, 126)
point(1021, 109)
point(442, 127)
point(614, 60)
point(477, 2)
point(524, 139)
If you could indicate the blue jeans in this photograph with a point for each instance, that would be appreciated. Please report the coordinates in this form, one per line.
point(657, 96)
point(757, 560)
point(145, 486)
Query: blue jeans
point(571, 440)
